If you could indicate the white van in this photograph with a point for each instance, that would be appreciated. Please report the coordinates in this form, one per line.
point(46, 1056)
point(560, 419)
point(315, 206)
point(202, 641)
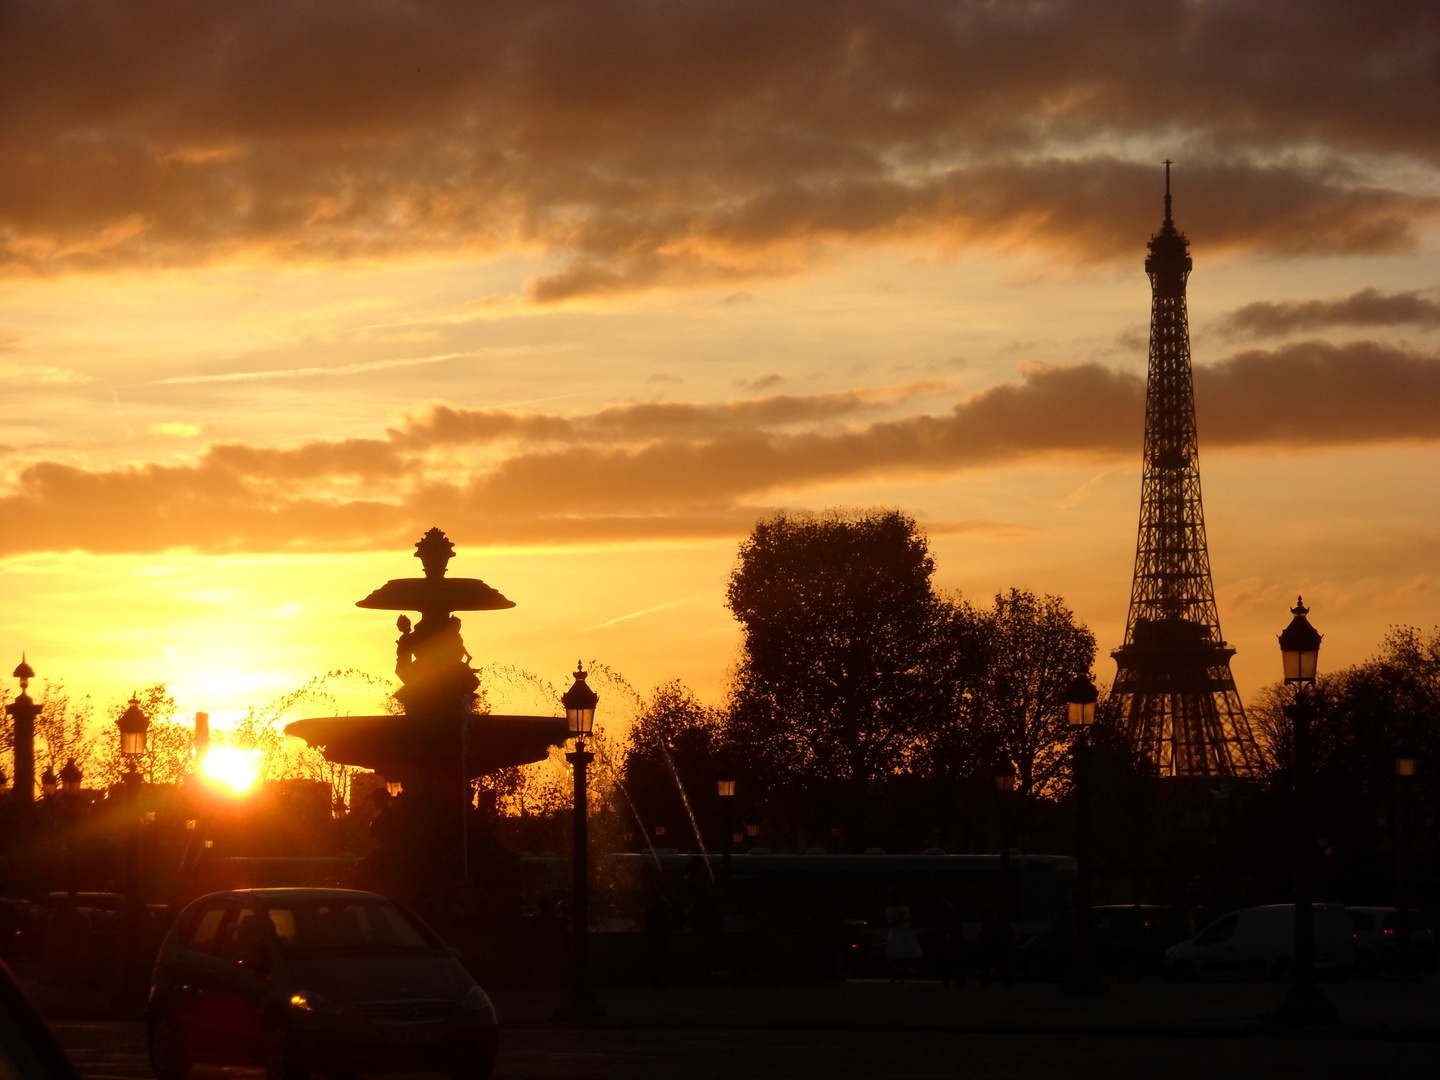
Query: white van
point(1259, 943)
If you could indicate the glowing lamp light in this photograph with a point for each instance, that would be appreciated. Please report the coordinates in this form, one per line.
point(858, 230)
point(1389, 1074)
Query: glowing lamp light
point(234, 768)
point(580, 702)
point(1300, 646)
point(752, 830)
point(393, 787)
point(725, 788)
point(1080, 699)
point(134, 726)
point(48, 782)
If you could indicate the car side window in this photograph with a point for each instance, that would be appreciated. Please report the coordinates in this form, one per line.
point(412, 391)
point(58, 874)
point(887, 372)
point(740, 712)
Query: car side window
point(204, 926)
point(1219, 931)
point(243, 936)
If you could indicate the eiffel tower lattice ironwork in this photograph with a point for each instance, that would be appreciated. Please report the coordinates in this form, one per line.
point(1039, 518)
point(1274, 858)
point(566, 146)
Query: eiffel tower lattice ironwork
point(1176, 697)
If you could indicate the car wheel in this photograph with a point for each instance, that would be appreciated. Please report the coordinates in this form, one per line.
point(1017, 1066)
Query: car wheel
point(1367, 964)
point(167, 1056)
point(282, 1056)
point(1283, 970)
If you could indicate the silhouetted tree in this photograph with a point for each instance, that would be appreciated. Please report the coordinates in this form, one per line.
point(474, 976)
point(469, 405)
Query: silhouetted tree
point(674, 727)
point(839, 620)
point(1032, 647)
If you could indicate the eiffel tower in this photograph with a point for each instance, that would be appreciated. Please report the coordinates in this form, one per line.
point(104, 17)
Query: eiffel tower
point(1175, 696)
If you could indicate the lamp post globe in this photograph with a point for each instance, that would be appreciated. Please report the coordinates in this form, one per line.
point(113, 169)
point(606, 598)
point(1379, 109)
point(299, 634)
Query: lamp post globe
point(134, 728)
point(48, 782)
point(70, 779)
point(1080, 699)
point(1300, 647)
point(579, 702)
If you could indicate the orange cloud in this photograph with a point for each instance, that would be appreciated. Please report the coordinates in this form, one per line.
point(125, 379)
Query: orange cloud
point(637, 471)
point(640, 143)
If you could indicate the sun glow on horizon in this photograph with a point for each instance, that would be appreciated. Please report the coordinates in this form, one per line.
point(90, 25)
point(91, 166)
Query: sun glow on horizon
point(236, 768)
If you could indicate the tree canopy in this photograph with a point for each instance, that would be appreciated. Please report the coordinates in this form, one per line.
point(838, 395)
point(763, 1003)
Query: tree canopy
point(839, 621)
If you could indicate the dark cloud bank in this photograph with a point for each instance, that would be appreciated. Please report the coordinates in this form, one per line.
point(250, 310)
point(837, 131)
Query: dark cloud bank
point(1368, 307)
point(670, 470)
point(654, 142)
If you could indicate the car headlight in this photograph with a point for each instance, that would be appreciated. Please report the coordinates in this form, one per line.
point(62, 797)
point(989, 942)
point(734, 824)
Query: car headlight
point(474, 1000)
point(311, 1002)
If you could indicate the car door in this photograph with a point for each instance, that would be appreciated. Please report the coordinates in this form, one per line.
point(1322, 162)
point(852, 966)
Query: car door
point(1215, 948)
point(192, 973)
point(237, 995)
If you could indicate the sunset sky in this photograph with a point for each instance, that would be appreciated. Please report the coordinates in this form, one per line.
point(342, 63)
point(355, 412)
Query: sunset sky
point(593, 286)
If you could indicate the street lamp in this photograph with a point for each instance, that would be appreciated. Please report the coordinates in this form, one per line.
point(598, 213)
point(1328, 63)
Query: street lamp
point(70, 780)
point(579, 702)
point(1004, 776)
point(1080, 699)
point(1405, 761)
point(725, 789)
point(1304, 1004)
point(134, 726)
point(48, 782)
point(23, 712)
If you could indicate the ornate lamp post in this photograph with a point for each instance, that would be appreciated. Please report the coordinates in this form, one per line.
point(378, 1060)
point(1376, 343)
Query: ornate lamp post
point(1304, 1004)
point(1004, 775)
point(70, 779)
point(580, 1003)
point(1080, 700)
point(725, 789)
point(1405, 761)
point(134, 728)
point(23, 712)
point(48, 782)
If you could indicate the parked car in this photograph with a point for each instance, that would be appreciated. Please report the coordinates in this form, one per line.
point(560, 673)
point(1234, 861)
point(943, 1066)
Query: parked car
point(1259, 943)
point(1131, 939)
point(1377, 940)
point(329, 980)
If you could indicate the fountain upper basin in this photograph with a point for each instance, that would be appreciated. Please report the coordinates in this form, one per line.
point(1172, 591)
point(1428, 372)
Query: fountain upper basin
point(398, 746)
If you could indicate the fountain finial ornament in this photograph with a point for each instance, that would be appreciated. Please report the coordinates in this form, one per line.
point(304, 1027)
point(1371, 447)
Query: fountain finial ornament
point(434, 550)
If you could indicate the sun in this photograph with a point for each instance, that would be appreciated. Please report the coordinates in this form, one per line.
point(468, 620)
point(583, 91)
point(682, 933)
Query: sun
point(233, 767)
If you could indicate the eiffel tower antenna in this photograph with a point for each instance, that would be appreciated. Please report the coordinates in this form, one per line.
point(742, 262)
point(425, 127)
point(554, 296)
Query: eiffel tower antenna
point(1177, 699)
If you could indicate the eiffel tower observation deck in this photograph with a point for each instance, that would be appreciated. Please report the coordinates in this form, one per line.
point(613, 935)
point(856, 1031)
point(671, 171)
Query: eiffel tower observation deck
point(1175, 694)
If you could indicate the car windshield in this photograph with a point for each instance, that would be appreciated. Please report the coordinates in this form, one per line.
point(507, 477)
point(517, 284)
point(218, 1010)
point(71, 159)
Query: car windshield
point(340, 926)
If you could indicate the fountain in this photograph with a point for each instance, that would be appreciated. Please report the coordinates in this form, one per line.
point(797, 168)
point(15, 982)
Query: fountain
point(432, 842)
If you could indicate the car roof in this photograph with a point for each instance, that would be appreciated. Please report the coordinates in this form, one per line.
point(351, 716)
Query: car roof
point(291, 894)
